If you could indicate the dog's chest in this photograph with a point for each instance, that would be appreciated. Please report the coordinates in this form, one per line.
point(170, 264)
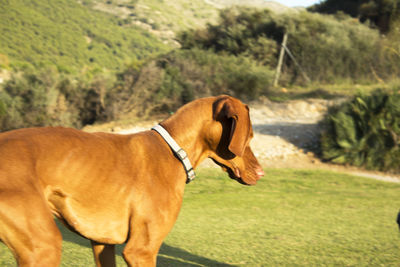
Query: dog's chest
point(99, 218)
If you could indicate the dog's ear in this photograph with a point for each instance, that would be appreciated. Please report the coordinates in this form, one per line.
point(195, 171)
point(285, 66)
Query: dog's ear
point(238, 116)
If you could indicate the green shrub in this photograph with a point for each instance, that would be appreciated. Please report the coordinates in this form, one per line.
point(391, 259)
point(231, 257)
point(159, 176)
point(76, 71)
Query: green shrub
point(25, 99)
point(174, 79)
point(331, 49)
point(365, 132)
point(380, 13)
point(46, 98)
point(241, 31)
point(210, 73)
point(328, 48)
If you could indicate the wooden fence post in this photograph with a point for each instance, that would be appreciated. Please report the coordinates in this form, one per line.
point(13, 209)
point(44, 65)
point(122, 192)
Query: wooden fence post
point(280, 61)
point(284, 49)
point(297, 64)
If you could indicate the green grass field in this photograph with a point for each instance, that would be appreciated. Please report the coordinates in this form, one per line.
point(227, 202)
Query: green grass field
point(291, 218)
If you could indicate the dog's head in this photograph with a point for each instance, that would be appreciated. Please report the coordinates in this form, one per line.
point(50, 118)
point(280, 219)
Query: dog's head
point(229, 139)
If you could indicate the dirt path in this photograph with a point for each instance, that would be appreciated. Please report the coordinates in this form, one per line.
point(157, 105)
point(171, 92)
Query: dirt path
point(285, 136)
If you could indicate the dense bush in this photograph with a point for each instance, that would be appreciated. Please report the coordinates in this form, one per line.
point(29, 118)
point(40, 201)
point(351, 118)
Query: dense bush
point(49, 98)
point(380, 12)
point(244, 31)
point(365, 132)
point(329, 48)
point(183, 75)
point(332, 49)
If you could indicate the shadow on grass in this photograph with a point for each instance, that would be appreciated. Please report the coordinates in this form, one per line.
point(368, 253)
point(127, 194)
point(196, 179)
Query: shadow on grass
point(168, 255)
point(171, 256)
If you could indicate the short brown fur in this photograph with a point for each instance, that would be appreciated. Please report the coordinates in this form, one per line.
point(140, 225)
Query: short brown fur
point(112, 188)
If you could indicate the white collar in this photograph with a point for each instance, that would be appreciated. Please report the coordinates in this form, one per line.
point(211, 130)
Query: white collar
point(178, 151)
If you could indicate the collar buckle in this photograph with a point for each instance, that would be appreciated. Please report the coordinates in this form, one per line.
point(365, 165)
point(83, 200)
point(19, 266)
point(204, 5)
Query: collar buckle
point(181, 154)
point(178, 151)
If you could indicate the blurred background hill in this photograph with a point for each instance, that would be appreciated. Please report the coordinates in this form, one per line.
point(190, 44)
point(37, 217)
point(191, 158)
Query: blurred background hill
point(103, 33)
point(86, 61)
point(76, 63)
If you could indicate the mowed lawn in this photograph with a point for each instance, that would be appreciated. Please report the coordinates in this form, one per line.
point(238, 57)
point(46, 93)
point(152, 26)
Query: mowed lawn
point(291, 218)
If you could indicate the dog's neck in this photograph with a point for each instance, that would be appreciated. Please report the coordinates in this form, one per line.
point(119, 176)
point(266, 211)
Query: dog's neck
point(188, 127)
point(187, 137)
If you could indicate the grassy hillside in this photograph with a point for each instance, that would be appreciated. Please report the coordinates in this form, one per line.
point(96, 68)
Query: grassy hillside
point(101, 33)
point(69, 35)
point(166, 18)
point(272, 5)
point(163, 18)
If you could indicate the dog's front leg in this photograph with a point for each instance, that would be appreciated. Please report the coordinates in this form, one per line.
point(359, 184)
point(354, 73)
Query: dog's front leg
point(146, 236)
point(104, 255)
point(143, 244)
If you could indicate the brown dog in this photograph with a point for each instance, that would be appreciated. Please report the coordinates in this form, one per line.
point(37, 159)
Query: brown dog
point(113, 188)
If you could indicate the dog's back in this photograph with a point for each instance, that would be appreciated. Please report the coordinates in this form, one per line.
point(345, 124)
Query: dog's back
point(113, 188)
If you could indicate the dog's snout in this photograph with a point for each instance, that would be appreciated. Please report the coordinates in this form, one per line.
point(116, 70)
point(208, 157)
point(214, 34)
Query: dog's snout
point(259, 171)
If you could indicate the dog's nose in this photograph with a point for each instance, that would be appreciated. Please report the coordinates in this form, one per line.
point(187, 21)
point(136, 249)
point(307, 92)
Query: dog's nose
point(260, 173)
